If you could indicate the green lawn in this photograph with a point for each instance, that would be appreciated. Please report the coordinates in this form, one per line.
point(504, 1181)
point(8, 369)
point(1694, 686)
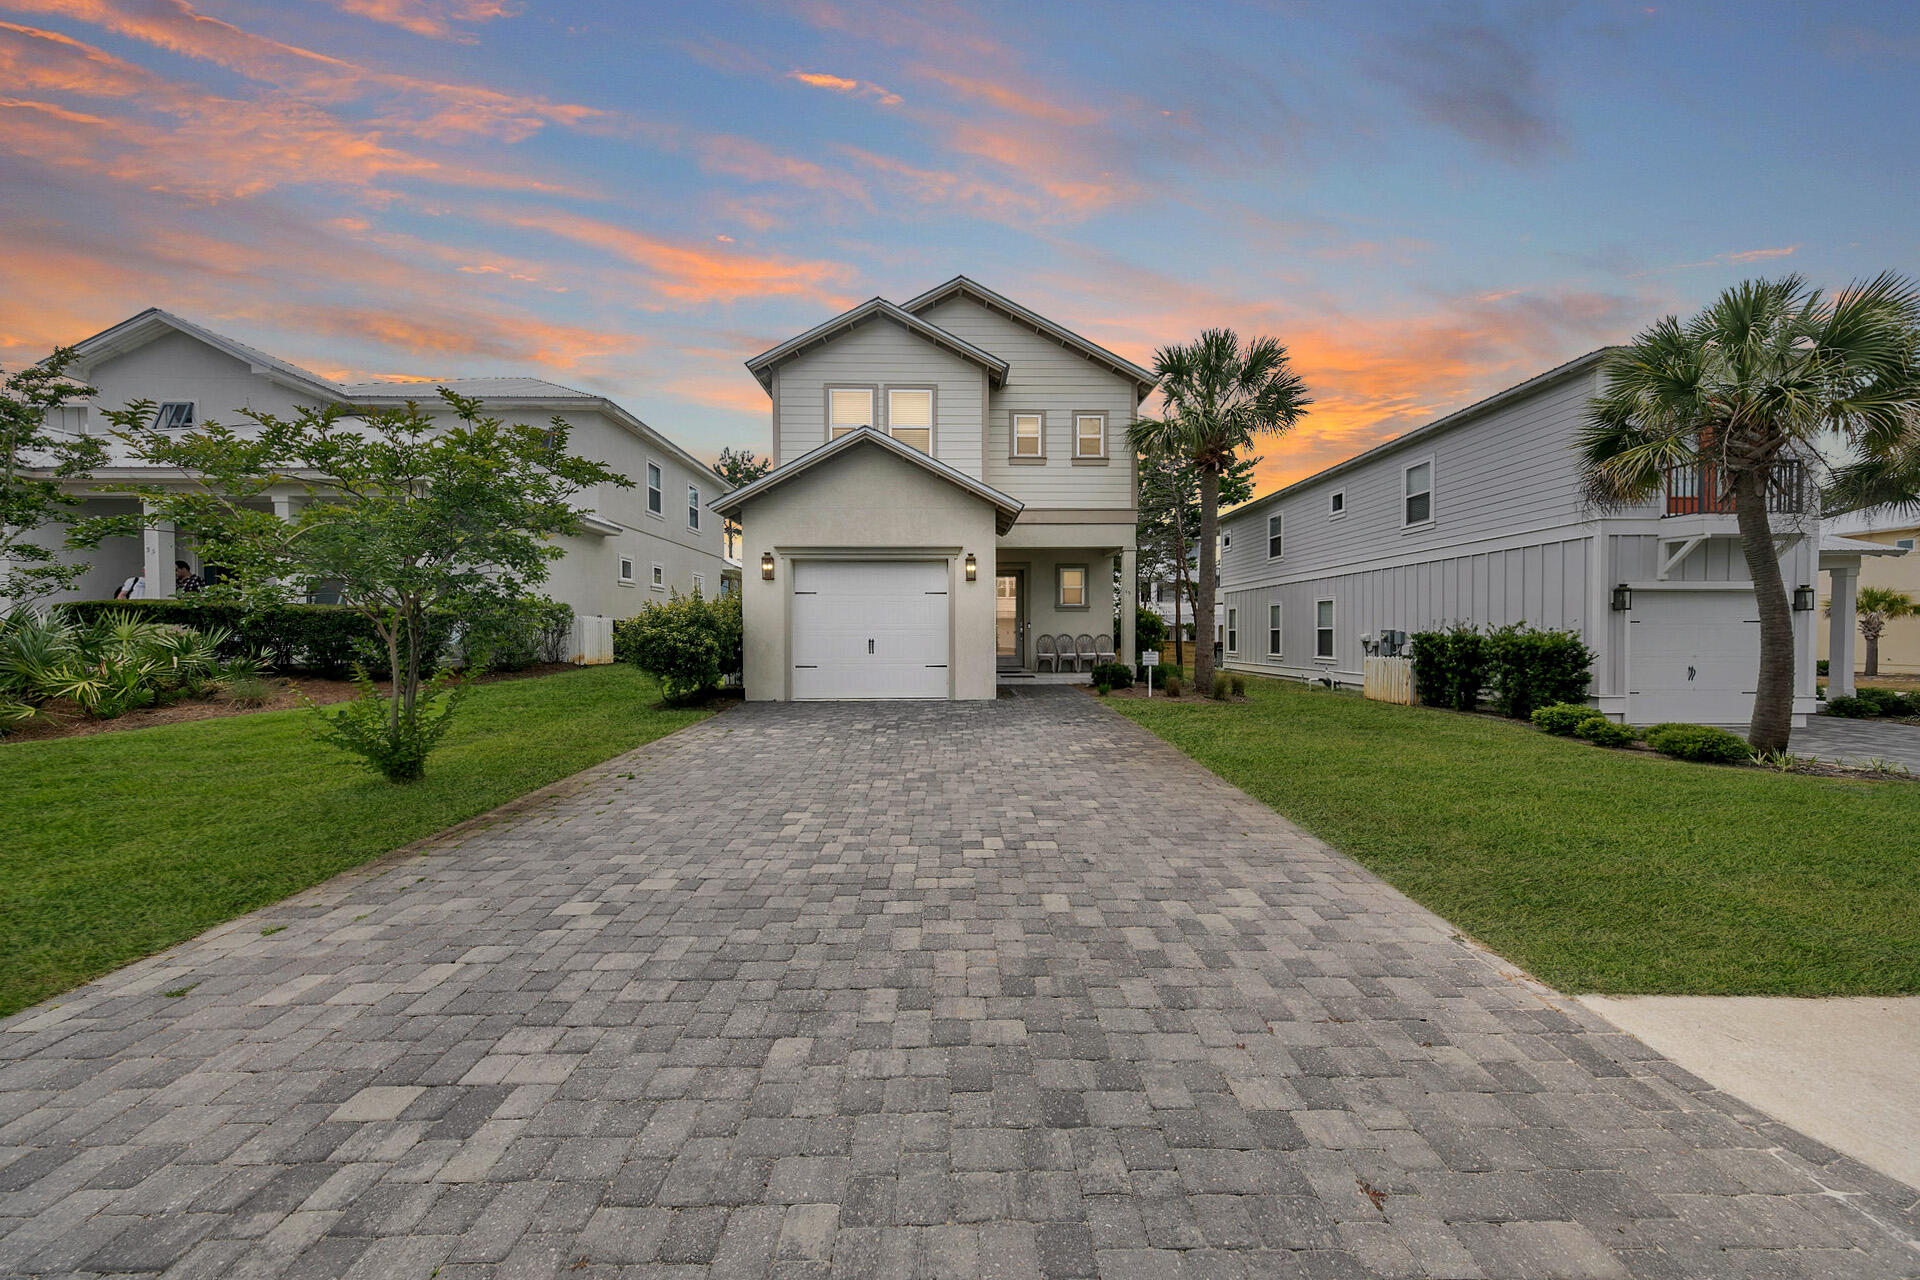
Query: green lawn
point(1595, 870)
point(118, 845)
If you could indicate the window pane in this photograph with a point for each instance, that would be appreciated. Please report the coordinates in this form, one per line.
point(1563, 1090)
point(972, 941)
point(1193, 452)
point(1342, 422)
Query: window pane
point(693, 507)
point(1325, 611)
point(653, 488)
point(1420, 478)
point(909, 409)
point(1419, 508)
point(849, 407)
point(1339, 502)
point(1073, 586)
point(1026, 435)
point(1273, 537)
point(919, 437)
point(1090, 435)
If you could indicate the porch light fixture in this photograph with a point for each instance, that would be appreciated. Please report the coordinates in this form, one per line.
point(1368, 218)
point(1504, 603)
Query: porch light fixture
point(1622, 598)
point(766, 566)
point(1803, 599)
point(973, 567)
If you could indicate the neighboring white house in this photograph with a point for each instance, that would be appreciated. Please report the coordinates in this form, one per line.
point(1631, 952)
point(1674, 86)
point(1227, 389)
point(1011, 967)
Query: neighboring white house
point(952, 482)
point(639, 544)
point(1479, 517)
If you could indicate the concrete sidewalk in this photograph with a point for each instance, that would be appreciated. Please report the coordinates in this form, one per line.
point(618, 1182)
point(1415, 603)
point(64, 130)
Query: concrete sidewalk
point(1842, 1071)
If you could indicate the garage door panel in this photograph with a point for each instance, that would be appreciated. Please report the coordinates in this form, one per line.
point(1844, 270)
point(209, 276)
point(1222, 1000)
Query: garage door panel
point(1692, 656)
point(870, 629)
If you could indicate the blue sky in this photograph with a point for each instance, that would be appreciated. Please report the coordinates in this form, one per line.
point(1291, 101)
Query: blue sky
point(1426, 203)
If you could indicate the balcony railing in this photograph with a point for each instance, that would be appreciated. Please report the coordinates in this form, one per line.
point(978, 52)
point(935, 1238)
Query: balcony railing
point(1702, 490)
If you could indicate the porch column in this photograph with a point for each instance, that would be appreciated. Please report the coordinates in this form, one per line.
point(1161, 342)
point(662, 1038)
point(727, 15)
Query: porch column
point(1129, 603)
point(1842, 632)
point(157, 556)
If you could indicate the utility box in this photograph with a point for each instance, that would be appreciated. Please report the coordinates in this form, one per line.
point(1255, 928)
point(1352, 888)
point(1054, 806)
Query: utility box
point(1388, 680)
point(591, 643)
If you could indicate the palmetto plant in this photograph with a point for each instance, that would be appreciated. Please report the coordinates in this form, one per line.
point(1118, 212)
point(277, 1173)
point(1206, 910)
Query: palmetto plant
point(1873, 609)
point(1759, 378)
point(106, 668)
point(1219, 395)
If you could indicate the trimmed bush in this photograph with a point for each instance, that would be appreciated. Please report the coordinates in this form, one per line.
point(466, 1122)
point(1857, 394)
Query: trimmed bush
point(1115, 675)
point(522, 635)
point(1821, 666)
point(1602, 732)
point(1449, 667)
point(1852, 708)
point(1529, 668)
point(1565, 718)
point(686, 642)
point(1698, 742)
point(1887, 702)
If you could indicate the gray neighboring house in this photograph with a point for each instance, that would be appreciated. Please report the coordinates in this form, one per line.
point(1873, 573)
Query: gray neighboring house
point(638, 544)
point(952, 482)
point(1479, 517)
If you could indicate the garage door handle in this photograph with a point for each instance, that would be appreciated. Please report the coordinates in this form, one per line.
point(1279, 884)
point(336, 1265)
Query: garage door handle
point(869, 646)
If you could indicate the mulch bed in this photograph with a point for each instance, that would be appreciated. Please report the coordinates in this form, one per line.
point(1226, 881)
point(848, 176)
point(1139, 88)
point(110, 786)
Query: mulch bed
point(63, 720)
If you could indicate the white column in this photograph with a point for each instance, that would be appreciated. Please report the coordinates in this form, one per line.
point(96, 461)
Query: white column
point(157, 557)
point(1129, 603)
point(1843, 630)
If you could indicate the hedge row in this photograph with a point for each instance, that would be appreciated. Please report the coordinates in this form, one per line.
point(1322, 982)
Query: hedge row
point(1521, 667)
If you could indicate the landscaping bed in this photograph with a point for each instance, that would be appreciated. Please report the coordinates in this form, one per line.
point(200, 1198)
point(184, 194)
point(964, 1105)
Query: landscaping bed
point(122, 844)
point(1600, 870)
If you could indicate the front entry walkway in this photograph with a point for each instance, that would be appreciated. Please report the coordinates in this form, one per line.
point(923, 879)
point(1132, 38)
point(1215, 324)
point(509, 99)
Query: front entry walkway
point(1002, 989)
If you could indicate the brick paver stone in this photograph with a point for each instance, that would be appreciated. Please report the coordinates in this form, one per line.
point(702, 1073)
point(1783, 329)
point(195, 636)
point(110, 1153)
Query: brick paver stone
point(871, 990)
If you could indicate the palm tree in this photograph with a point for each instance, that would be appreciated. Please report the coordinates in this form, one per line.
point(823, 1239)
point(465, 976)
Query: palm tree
point(1218, 397)
point(1747, 387)
point(1873, 609)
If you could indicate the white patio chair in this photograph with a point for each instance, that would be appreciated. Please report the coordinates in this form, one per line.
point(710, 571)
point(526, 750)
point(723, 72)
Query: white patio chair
point(1103, 651)
point(1044, 654)
point(1083, 651)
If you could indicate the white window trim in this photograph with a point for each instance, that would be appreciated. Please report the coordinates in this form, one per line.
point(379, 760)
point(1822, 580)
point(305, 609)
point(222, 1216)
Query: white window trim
point(1060, 587)
point(693, 507)
point(658, 581)
point(873, 404)
point(1426, 462)
point(1040, 439)
point(1101, 414)
point(656, 490)
point(1332, 630)
point(1276, 529)
point(1276, 637)
point(1340, 512)
point(165, 413)
point(699, 584)
point(1233, 630)
point(933, 411)
point(625, 571)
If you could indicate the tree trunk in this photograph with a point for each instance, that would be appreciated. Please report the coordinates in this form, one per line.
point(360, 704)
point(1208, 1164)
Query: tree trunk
point(1873, 654)
point(1204, 593)
point(1772, 723)
point(1179, 576)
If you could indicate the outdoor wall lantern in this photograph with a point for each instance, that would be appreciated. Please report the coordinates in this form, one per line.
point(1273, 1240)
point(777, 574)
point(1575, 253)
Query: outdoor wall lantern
point(1803, 599)
point(1622, 598)
point(766, 566)
point(973, 567)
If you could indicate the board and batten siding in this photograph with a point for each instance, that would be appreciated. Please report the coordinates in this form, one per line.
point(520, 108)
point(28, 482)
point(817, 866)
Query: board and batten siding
point(1046, 378)
point(879, 353)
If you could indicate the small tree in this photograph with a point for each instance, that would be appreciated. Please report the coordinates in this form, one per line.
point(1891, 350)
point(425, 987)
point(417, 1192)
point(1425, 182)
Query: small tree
point(1873, 609)
point(407, 517)
point(739, 469)
point(36, 468)
point(1170, 515)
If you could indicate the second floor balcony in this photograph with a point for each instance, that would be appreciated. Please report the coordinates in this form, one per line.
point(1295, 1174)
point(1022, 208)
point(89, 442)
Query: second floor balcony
point(1704, 490)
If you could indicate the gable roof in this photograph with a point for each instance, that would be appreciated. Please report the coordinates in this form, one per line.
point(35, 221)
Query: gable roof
point(137, 331)
point(1007, 508)
point(486, 388)
point(763, 365)
point(1459, 417)
point(1143, 379)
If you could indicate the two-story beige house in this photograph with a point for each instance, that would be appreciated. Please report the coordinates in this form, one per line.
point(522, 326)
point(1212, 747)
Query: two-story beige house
point(952, 482)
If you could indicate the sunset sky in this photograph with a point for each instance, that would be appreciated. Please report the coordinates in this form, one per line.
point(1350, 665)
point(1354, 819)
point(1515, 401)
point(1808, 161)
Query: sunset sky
point(1424, 204)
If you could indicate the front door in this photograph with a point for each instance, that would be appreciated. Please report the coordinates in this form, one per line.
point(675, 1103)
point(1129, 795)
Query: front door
point(1010, 620)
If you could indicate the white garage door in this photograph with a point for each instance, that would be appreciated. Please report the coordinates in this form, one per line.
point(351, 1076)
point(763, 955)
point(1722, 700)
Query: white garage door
point(1692, 656)
point(869, 629)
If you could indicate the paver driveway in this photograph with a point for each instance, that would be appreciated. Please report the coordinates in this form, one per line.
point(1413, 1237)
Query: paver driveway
point(866, 990)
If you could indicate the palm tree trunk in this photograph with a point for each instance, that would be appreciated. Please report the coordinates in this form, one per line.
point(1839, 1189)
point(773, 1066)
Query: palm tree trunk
point(1204, 593)
point(1873, 651)
point(1179, 578)
point(1772, 722)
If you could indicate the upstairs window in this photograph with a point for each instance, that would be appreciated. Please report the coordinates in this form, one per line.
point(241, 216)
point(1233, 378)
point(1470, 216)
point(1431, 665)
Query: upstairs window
point(1337, 504)
point(655, 499)
point(1027, 438)
point(626, 570)
point(1273, 537)
point(175, 415)
point(1419, 491)
point(659, 580)
point(910, 417)
point(848, 409)
point(1089, 435)
point(693, 507)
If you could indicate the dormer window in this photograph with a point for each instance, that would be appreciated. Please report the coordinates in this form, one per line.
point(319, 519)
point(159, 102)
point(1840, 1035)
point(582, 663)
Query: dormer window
point(910, 416)
point(848, 409)
point(175, 415)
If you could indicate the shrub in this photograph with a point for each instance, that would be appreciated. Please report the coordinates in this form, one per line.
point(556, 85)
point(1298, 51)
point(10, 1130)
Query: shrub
point(390, 739)
point(250, 691)
point(1222, 687)
point(1603, 732)
point(679, 642)
point(516, 636)
point(1821, 666)
point(1149, 629)
point(323, 639)
point(1565, 718)
point(1239, 686)
point(1172, 687)
point(1449, 667)
point(1887, 702)
point(1852, 708)
point(1698, 742)
point(1530, 668)
point(1115, 675)
point(107, 667)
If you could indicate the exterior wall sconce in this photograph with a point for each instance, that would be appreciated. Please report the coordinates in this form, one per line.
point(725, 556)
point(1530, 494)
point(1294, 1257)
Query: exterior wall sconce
point(1803, 599)
point(973, 567)
point(1622, 598)
point(766, 566)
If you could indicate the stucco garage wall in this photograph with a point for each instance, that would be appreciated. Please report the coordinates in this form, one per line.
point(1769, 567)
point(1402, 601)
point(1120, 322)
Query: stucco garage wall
point(864, 503)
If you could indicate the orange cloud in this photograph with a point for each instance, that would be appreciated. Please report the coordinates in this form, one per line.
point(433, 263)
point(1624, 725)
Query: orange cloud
point(840, 84)
point(434, 18)
point(1012, 101)
point(1761, 255)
